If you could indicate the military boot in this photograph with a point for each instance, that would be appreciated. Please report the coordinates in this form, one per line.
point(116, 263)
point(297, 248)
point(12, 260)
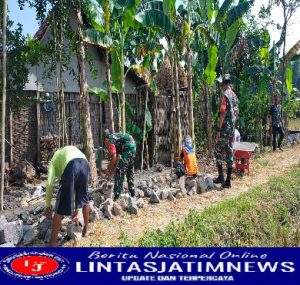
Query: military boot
point(227, 183)
point(220, 178)
point(132, 192)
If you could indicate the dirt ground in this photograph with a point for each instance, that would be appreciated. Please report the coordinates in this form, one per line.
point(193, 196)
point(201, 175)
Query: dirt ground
point(154, 216)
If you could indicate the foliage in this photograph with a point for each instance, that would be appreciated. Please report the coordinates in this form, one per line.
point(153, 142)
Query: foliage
point(17, 73)
point(264, 216)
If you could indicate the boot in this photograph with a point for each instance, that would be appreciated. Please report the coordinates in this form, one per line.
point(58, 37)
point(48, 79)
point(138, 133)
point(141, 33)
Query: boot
point(132, 192)
point(220, 178)
point(227, 183)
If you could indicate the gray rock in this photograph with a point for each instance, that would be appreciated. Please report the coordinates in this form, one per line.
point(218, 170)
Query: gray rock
point(94, 214)
point(139, 193)
point(27, 228)
point(179, 195)
point(159, 167)
point(123, 203)
point(44, 226)
point(38, 210)
point(154, 180)
point(182, 185)
point(132, 206)
point(98, 198)
point(3, 221)
point(117, 209)
point(190, 182)
point(147, 192)
point(171, 197)
point(7, 244)
point(11, 232)
point(48, 236)
point(154, 198)
point(24, 216)
point(125, 196)
point(161, 179)
point(74, 231)
point(107, 191)
point(140, 203)
point(164, 193)
point(192, 191)
point(210, 183)
point(107, 208)
point(150, 184)
point(143, 184)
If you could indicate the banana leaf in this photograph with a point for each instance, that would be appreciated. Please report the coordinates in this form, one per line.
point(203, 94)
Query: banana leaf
point(289, 78)
point(116, 69)
point(210, 71)
point(95, 37)
point(156, 19)
point(237, 13)
point(99, 92)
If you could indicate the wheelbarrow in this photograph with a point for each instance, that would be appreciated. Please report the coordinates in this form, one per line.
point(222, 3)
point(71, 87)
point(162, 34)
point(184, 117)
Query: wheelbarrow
point(242, 152)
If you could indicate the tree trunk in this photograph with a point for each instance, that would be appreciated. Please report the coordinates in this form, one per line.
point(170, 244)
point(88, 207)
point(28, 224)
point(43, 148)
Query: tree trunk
point(4, 62)
point(144, 130)
point(208, 118)
point(108, 78)
point(190, 95)
point(87, 136)
point(178, 117)
point(260, 128)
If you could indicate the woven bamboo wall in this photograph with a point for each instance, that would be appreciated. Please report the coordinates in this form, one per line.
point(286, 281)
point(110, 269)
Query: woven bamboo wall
point(24, 133)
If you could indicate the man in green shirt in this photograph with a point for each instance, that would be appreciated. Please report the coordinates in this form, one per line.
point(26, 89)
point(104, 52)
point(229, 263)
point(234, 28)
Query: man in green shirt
point(69, 165)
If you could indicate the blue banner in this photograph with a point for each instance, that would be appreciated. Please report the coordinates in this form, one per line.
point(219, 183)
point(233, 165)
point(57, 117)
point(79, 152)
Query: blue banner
point(150, 265)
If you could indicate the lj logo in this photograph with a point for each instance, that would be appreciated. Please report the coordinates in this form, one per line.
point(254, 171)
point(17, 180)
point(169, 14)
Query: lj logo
point(34, 265)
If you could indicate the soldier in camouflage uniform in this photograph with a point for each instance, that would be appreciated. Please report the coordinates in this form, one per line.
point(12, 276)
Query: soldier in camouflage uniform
point(122, 148)
point(225, 136)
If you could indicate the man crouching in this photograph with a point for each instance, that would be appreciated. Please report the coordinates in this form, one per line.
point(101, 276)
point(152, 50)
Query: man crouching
point(69, 165)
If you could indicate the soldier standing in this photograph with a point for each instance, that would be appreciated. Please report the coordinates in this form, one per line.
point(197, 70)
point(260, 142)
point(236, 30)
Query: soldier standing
point(226, 125)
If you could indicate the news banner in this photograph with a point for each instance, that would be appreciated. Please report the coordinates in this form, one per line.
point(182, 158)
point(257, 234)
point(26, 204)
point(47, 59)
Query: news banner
point(150, 265)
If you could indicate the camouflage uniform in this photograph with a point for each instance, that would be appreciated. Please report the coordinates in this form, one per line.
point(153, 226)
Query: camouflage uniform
point(126, 148)
point(223, 149)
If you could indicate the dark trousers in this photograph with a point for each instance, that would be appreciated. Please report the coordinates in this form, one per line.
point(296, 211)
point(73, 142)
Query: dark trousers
point(276, 131)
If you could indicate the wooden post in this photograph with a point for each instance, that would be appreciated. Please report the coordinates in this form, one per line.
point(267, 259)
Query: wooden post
point(38, 124)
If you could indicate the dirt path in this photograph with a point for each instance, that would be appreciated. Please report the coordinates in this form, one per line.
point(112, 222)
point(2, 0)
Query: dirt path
point(107, 233)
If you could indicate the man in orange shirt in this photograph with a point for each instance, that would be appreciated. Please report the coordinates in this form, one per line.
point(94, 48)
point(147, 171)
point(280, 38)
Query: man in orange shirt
point(226, 125)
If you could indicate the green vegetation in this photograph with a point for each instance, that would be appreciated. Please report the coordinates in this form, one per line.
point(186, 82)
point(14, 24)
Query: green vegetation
point(265, 216)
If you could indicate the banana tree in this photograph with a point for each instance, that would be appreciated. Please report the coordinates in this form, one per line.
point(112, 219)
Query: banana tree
point(113, 38)
point(216, 30)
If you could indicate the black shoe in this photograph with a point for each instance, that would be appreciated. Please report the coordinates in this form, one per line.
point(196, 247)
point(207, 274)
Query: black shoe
point(227, 183)
point(132, 192)
point(116, 196)
point(220, 178)
point(280, 148)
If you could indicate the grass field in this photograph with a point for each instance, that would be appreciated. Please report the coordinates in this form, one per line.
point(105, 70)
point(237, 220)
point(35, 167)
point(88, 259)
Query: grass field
point(267, 215)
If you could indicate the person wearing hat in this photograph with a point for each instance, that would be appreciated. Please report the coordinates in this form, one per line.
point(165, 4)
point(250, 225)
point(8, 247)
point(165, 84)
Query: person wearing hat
point(228, 114)
point(274, 119)
point(122, 149)
point(188, 156)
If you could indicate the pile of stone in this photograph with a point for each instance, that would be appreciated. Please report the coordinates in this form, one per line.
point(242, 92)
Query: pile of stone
point(28, 225)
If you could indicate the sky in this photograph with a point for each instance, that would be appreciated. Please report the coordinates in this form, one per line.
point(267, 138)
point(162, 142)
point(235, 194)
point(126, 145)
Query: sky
point(27, 16)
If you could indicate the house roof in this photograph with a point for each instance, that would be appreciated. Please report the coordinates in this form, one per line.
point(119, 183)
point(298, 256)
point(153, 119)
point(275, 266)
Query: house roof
point(39, 35)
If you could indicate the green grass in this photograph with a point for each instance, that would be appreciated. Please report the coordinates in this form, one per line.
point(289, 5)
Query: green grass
point(264, 216)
